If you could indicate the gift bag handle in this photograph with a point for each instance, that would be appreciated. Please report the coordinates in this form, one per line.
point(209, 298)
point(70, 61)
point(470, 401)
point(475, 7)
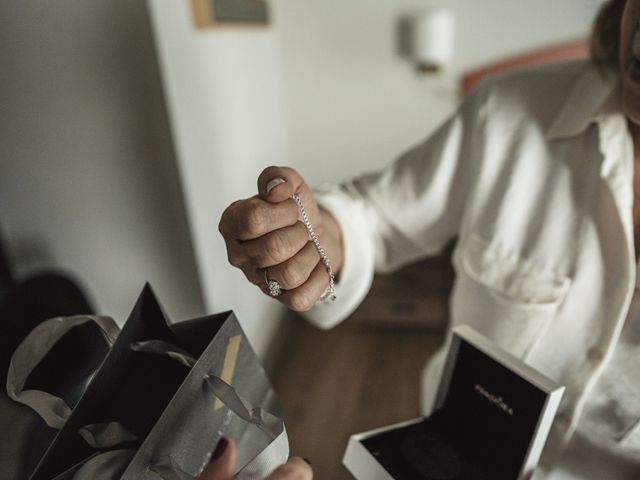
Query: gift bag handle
point(274, 454)
point(53, 410)
point(268, 460)
point(271, 425)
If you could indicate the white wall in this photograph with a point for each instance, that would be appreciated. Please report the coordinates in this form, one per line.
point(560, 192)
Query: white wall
point(225, 95)
point(88, 181)
point(354, 104)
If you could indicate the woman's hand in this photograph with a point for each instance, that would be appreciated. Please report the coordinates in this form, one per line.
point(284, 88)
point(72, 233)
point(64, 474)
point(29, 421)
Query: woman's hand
point(265, 237)
point(223, 465)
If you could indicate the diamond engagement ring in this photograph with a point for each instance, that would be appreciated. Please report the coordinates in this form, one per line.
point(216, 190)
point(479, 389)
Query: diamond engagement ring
point(275, 290)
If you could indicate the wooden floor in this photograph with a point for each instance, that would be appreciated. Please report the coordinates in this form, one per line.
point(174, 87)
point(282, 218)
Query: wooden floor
point(352, 378)
point(365, 373)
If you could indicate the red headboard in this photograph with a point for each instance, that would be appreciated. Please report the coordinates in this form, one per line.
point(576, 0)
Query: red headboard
point(566, 51)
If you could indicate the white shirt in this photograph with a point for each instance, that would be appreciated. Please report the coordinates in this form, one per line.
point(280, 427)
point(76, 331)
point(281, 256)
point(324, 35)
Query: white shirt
point(606, 443)
point(533, 175)
point(613, 408)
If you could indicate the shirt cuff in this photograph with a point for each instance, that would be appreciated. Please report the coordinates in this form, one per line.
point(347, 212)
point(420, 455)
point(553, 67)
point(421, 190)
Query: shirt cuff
point(357, 269)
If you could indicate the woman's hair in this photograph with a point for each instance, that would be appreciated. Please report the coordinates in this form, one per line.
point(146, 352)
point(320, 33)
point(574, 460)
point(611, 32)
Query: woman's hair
point(605, 40)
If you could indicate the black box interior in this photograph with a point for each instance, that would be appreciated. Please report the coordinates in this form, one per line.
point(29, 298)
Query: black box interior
point(483, 430)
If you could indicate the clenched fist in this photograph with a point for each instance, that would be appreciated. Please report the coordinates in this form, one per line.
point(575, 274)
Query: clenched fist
point(266, 238)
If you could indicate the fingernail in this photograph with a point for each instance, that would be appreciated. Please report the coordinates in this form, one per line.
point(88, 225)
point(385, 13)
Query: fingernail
point(274, 183)
point(308, 461)
point(223, 443)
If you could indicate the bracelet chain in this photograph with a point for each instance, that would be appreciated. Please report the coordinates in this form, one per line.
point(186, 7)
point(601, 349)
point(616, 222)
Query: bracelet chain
point(330, 291)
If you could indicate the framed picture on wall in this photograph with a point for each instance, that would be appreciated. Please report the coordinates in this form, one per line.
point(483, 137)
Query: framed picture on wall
point(214, 13)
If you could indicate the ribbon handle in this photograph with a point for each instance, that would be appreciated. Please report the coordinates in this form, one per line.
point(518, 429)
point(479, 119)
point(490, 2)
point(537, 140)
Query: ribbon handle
point(53, 410)
point(268, 423)
point(275, 453)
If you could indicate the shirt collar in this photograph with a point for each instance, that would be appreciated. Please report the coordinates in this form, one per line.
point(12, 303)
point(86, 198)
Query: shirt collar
point(593, 96)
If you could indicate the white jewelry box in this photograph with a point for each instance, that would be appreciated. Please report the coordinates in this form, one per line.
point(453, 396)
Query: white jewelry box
point(492, 417)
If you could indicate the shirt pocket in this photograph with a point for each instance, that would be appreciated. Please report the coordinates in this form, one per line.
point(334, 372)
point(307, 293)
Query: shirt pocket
point(506, 297)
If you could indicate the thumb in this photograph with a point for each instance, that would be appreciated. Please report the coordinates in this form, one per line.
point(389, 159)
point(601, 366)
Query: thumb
point(277, 184)
point(223, 461)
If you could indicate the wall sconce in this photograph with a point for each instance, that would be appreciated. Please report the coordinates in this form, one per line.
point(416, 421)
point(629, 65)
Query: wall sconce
point(428, 39)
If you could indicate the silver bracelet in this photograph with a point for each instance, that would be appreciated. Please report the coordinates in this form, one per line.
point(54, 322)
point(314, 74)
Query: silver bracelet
point(330, 291)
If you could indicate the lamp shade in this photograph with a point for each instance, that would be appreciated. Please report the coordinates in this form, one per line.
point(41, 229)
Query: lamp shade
point(433, 37)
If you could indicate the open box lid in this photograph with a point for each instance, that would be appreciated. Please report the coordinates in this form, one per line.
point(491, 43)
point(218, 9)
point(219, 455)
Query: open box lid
point(465, 335)
point(492, 419)
point(492, 404)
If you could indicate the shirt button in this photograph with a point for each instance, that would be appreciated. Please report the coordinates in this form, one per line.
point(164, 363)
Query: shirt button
point(595, 354)
point(561, 424)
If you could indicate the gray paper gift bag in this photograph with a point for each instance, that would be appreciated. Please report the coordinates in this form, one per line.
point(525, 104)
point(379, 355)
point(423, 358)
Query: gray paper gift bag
point(160, 402)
